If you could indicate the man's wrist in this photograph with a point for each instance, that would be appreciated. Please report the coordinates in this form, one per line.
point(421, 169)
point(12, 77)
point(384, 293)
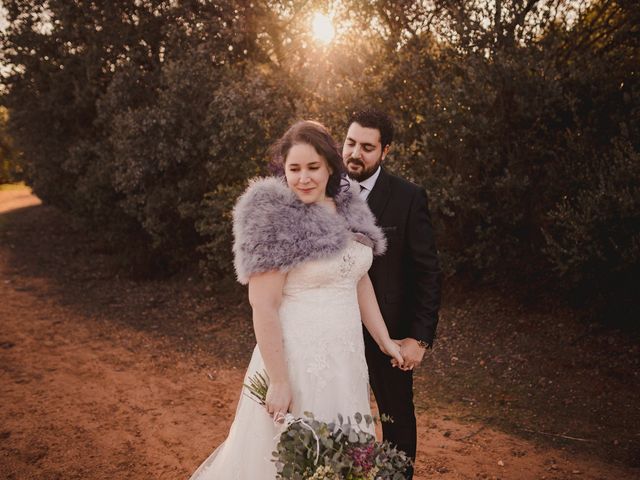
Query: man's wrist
point(424, 345)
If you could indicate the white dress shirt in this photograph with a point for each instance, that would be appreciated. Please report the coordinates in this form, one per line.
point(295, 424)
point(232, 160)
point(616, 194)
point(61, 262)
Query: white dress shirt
point(367, 185)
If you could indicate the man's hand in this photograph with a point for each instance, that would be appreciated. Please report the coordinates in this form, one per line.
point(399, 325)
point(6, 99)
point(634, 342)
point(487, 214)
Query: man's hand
point(411, 352)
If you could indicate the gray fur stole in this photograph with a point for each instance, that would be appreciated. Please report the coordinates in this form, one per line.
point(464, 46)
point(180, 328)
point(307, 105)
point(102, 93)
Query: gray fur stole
point(274, 230)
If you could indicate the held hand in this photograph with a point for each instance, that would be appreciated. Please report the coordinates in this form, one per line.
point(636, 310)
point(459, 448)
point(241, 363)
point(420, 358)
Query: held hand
point(278, 400)
point(412, 353)
point(392, 348)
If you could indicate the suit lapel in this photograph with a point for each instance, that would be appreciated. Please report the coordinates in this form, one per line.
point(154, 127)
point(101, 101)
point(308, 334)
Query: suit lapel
point(380, 194)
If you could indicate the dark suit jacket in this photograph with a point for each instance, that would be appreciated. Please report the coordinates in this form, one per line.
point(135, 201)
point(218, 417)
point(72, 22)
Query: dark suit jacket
point(407, 278)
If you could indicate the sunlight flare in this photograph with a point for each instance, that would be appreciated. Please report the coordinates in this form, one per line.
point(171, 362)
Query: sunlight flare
point(323, 29)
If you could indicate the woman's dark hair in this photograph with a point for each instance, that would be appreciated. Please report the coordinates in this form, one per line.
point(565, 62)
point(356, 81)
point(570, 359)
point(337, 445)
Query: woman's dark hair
point(314, 134)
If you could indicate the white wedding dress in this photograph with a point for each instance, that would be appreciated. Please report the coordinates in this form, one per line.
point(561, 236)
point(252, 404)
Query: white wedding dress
point(324, 350)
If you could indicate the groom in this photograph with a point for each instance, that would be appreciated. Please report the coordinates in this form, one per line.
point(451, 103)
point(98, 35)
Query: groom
point(406, 279)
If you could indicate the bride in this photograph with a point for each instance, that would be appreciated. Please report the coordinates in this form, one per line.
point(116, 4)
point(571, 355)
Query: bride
point(304, 245)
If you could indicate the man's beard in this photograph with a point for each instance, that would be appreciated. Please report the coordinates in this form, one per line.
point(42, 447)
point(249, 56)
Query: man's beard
point(363, 174)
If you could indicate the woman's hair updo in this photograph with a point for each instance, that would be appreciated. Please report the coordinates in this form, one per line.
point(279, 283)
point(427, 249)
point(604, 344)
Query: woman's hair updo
point(314, 134)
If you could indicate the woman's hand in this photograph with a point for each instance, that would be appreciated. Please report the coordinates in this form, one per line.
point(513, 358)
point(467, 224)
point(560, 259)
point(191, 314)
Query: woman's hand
point(278, 400)
point(411, 351)
point(392, 348)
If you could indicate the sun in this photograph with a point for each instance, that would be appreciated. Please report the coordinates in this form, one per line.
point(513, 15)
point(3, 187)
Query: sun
point(323, 30)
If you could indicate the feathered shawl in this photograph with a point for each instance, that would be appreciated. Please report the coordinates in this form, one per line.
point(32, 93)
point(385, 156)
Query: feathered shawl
point(274, 230)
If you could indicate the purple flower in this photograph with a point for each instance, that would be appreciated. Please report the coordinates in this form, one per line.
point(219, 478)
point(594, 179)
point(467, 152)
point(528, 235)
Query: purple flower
point(362, 456)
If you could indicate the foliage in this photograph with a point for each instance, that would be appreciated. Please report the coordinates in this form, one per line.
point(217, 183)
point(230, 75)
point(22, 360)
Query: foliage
point(309, 448)
point(147, 117)
point(151, 120)
point(593, 238)
point(10, 170)
point(258, 386)
point(490, 127)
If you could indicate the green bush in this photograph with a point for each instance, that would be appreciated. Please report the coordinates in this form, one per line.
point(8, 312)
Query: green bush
point(205, 132)
point(147, 118)
point(593, 238)
point(497, 138)
point(10, 170)
point(129, 120)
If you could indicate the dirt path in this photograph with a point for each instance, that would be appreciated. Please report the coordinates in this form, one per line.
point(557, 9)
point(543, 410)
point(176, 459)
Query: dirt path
point(85, 398)
point(15, 199)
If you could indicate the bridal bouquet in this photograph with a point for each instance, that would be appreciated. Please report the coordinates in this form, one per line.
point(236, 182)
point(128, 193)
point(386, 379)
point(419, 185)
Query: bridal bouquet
point(309, 449)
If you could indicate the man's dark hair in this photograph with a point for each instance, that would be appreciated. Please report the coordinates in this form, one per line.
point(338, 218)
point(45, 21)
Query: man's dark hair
point(375, 119)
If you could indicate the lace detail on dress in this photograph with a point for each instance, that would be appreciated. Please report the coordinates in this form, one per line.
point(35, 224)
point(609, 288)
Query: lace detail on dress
point(322, 332)
point(348, 261)
point(324, 350)
point(317, 368)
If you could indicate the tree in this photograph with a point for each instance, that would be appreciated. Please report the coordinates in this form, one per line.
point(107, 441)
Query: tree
point(10, 170)
point(147, 117)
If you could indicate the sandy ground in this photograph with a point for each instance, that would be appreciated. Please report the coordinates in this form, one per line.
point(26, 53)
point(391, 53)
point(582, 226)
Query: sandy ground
point(17, 198)
point(84, 398)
